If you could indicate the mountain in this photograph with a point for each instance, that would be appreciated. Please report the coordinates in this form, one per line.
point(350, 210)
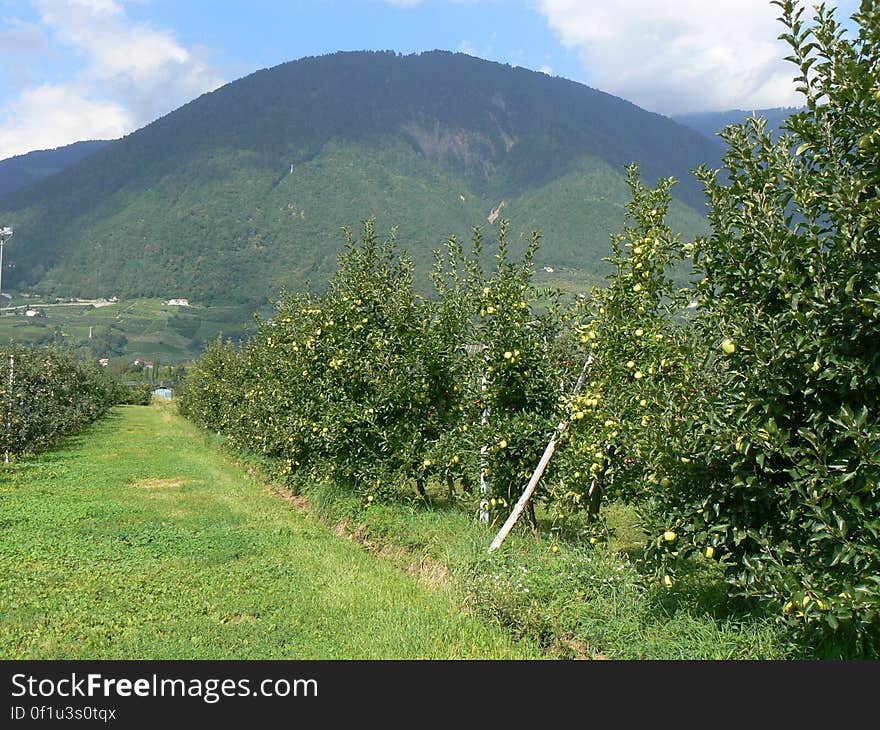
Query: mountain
point(243, 191)
point(23, 170)
point(711, 123)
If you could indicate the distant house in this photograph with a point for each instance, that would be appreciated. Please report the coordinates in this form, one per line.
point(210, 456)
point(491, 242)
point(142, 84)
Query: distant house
point(32, 313)
point(178, 302)
point(104, 362)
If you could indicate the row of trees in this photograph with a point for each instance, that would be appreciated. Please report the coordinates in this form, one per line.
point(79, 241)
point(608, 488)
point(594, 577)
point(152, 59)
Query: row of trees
point(48, 393)
point(738, 414)
point(386, 389)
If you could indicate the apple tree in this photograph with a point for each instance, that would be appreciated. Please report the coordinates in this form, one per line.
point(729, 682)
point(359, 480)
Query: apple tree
point(782, 478)
point(630, 329)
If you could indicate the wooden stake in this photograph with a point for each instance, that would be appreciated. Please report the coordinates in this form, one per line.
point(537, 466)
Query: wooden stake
point(9, 407)
point(539, 470)
point(484, 452)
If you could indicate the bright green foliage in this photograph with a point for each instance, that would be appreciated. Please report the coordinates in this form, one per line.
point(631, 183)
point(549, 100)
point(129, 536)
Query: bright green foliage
point(784, 448)
point(214, 386)
point(356, 382)
point(633, 375)
point(383, 389)
point(53, 394)
point(138, 395)
point(526, 360)
point(359, 388)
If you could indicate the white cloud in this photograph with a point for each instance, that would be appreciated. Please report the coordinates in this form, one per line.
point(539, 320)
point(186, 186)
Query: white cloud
point(680, 55)
point(128, 75)
point(49, 116)
point(144, 66)
point(546, 70)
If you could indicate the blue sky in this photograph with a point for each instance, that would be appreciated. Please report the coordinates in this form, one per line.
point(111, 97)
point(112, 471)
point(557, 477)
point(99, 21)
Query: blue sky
point(85, 69)
point(246, 37)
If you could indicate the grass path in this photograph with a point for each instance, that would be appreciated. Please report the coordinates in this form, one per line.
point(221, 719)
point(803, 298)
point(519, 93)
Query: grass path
point(138, 540)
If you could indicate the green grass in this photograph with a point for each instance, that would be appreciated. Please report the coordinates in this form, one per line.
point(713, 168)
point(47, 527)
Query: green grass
point(583, 601)
point(140, 540)
point(143, 538)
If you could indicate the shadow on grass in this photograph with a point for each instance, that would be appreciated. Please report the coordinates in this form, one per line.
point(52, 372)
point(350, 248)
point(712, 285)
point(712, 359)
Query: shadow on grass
point(700, 587)
point(843, 646)
point(48, 455)
point(55, 452)
point(438, 502)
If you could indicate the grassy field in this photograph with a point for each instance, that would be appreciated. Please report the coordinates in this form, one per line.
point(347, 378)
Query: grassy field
point(580, 601)
point(140, 540)
point(144, 538)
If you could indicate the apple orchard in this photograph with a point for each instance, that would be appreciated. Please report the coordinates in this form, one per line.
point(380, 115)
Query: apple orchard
point(736, 414)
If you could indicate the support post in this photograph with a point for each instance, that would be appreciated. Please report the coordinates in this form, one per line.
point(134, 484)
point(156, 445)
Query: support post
point(539, 470)
point(9, 406)
point(484, 452)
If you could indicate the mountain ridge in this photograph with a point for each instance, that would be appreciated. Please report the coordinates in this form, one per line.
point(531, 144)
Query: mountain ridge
point(710, 124)
point(200, 202)
point(25, 169)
